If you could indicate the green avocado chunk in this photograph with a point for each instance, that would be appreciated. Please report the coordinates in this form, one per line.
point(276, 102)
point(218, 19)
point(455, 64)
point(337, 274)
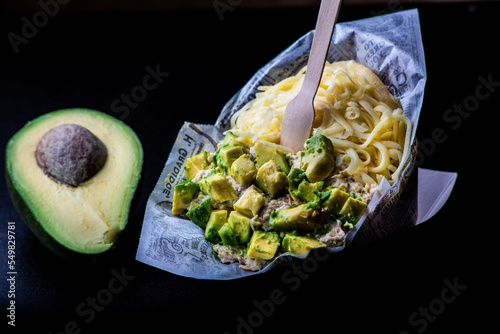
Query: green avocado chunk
point(295, 177)
point(229, 150)
point(318, 160)
point(216, 220)
point(310, 191)
point(226, 156)
point(184, 193)
point(265, 151)
point(263, 245)
point(302, 190)
point(227, 235)
point(250, 202)
point(218, 187)
point(352, 210)
point(294, 218)
point(243, 170)
point(335, 202)
point(271, 179)
point(200, 213)
point(81, 220)
point(195, 164)
point(240, 224)
point(230, 140)
point(299, 245)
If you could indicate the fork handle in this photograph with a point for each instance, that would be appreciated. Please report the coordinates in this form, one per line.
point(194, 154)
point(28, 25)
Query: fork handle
point(328, 13)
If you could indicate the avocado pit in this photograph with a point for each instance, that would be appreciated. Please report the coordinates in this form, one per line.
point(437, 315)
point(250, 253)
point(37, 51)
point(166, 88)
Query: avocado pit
point(70, 154)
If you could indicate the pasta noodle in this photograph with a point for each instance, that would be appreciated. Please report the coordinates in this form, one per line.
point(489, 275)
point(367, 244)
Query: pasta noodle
point(366, 125)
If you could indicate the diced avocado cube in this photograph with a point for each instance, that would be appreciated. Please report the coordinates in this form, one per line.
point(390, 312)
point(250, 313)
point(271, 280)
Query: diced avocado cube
point(243, 170)
point(318, 160)
point(320, 143)
point(263, 245)
point(300, 189)
point(295, 177)
point(229, 150)
point(299, 245)
point(184, 192)
point(227, 236)
point(311, 193)
point(229, 140)
point(307, 190)
point(336, 200)
point(215, 221)
point(195, 164)
point(225, 157)
point(200, 213)
point(352, 210)
point(218, 187)
point(265, 151)
point(240, 224)
point(271, 179)
point(293, 218)
point(250, 202)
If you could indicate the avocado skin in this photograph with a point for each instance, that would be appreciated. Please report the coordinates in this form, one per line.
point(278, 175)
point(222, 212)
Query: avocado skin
point(30, 218)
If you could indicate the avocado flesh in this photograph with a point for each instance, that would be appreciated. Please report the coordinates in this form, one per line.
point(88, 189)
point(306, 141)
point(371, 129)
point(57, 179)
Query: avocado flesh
point(218, 187)
point(200, 213)
point(227, 235)
point(271, 179)
point(318, 160)
point(250, 202)
point(293, 218)
point(216, 220)
point(195, 164)
point(265, 151)
point(184, 192)
point(243, 170)
point(299, 245)
point(240, 224)
point(263, 245)
point(84, 219)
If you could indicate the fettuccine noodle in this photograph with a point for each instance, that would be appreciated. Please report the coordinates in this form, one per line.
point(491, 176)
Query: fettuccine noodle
point(366, 125)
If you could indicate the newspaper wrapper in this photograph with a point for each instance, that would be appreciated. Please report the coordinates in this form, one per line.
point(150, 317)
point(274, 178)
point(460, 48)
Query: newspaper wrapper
point(391, 47)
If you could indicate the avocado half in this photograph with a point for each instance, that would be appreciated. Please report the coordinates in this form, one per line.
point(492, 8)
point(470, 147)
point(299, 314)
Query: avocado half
point(74, 220)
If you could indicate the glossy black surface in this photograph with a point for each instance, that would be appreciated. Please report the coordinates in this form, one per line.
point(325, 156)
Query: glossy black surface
point(397, 285)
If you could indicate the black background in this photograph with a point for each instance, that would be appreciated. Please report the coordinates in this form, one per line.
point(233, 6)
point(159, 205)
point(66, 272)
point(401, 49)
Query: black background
point(88, 59)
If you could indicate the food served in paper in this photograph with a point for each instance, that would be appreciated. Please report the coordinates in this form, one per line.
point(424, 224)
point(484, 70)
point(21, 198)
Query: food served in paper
point(256, 200)
point(389, 45)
